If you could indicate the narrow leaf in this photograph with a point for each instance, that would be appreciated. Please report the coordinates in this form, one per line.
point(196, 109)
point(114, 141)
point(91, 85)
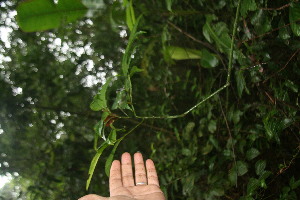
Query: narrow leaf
point(94, 163)
point(179, 53)
point(111, 158)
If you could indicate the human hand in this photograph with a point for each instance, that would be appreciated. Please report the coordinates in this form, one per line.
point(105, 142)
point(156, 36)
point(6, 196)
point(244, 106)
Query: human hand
point(123, 186)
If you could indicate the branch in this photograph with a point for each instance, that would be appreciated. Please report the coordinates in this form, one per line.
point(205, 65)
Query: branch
point(279, 8)
point(97, 118)
point(286, 64)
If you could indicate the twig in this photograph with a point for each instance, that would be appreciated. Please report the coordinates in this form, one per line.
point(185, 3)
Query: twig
point(275, 29)
point(230, 136)
point(232, 41)
point(279, 8)
point(286, 64)
point(150, 126)
point(82, 114)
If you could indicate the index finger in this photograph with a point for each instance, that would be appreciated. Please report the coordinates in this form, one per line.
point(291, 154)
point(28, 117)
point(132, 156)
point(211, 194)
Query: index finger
point(115, 180)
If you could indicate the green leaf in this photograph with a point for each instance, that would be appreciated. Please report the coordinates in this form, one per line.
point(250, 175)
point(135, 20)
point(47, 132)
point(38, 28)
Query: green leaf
point(294, 16)
point(265, 175)
point(283, 31)
point(212, 126)
point(232, 176)
point(94, 163)
point(240, 82)
point(126, 59)
point(99, 101)
point(294, 184)
point(241, 168)
point(274, 126)
point(112, 137)
point(260, 167)
point(252, 153)
point(188, 184)
point(217, 192)
point(253, 184)
point(134, 70)
point(236, 116)
point(187, 131)
point(179, 53)
point(206, 149)
point(218, 33)
point(261, 22)
point(111, 158)
point(208, 59)
point(206, 30)
point(186, 152)
point(247, 5)
point(169, 5)
point(130, 16)
point(121, 100)
point(40, 15)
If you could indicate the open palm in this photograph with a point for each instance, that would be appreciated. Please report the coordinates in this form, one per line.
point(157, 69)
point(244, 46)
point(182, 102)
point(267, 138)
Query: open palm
point(122, 184)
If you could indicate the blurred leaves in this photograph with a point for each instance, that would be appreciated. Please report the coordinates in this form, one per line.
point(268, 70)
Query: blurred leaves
point(294, 16)
point(40, 15)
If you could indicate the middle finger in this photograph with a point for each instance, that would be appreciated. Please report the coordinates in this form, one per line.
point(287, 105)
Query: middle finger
point(127, 176)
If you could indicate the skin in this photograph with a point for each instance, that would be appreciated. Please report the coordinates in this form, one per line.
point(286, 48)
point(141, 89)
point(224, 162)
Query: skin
point(122, 184)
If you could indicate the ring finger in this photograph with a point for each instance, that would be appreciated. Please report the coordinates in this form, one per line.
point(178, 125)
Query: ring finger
point(140, 172)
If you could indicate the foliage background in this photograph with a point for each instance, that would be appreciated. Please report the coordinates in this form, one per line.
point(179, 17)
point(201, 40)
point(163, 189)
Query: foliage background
point(241, 144)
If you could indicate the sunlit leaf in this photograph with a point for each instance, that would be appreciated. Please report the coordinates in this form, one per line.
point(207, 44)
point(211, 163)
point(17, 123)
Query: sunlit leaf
point(40, 15)
point(179, 53)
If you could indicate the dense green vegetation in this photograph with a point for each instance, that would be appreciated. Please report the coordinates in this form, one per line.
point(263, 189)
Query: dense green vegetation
point(94, 71)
